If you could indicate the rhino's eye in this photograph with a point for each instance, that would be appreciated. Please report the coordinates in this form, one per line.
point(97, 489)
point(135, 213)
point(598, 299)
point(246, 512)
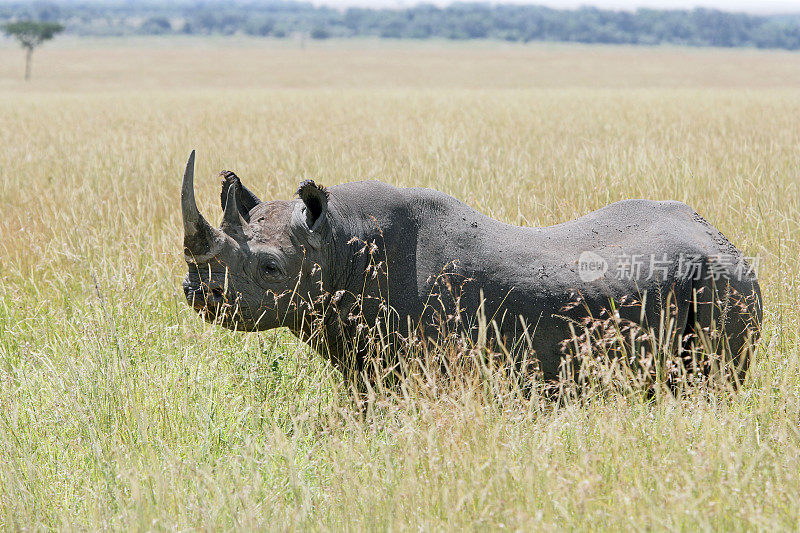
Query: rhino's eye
point(270, 268)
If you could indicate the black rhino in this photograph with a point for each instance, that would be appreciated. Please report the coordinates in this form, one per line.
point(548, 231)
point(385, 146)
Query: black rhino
point(414, 260)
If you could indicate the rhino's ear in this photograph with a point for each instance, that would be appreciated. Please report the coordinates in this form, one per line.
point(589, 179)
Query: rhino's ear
point(246, 199)
point(312, 215)
point(315, 202)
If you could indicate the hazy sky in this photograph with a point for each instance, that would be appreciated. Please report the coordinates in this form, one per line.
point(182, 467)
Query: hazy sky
point(751, 6)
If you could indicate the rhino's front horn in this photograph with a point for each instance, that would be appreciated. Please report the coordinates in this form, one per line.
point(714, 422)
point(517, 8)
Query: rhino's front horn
point(198, 235)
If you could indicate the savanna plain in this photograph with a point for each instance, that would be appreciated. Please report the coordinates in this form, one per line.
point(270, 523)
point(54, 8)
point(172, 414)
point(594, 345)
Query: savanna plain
point(121, 409)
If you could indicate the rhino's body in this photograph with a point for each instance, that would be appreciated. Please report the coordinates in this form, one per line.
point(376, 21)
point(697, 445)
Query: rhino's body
point(422, 259)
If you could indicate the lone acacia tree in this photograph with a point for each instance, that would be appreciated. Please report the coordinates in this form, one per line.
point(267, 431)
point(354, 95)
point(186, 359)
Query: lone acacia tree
point(30, 34)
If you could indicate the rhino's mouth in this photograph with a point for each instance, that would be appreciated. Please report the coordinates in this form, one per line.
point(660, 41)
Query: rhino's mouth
point(214, 306)
point(202, 299)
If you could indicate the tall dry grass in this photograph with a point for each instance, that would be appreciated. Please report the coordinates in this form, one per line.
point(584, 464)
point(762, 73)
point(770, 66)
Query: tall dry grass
point(120, 408)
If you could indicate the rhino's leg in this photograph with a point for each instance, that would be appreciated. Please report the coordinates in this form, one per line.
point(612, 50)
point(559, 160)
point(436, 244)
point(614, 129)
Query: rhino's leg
point(725, 319)
point(741, 301)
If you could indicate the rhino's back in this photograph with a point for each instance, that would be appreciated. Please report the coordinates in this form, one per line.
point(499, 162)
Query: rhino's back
point(452, 231)
point(433, 231)
point(446, 229)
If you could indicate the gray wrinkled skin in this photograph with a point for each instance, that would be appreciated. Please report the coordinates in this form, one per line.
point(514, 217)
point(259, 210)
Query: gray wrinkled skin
point(418, 257)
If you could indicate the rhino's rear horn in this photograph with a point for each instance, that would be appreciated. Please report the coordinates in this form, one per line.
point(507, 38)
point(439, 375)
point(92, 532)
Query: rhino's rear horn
point(232, 220)
point(245, 198)
point(198, 235)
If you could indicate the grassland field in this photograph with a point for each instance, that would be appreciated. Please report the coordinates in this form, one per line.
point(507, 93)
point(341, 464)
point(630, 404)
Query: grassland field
point(121, 409)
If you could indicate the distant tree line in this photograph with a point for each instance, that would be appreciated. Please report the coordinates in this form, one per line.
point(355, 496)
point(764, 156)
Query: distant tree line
point(698, 27)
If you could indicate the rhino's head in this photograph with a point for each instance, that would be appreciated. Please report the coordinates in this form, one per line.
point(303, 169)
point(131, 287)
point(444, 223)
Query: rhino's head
point(260, 269)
